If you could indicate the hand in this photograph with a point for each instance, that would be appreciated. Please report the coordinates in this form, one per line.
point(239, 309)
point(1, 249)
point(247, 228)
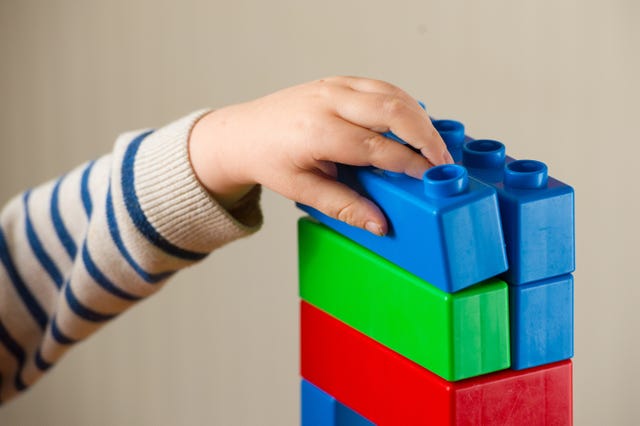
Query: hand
point(289, 141)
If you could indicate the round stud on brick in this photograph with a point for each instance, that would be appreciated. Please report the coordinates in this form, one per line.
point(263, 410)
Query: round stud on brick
point(526, 174)
point(483, 154)
point(445, 181)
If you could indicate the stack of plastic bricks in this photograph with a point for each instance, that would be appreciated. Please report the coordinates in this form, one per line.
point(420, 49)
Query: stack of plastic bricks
point(461, 315)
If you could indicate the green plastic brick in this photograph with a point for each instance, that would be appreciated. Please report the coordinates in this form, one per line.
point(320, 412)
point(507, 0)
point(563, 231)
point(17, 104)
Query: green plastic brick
point(456, 336)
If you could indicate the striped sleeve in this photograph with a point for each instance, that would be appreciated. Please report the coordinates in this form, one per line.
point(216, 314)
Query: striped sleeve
point(78, 251)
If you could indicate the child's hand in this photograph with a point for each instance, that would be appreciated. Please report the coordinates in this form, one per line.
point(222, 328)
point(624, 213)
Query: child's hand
point(290, 141)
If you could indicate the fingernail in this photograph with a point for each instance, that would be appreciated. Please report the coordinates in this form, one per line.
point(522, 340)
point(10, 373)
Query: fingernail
point(374, 228)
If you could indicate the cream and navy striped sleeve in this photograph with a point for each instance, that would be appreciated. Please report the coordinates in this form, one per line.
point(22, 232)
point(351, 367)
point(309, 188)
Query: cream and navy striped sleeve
point(78, 251)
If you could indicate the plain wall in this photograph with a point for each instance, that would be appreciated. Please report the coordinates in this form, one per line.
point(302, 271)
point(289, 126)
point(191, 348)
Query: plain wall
point(555, 80)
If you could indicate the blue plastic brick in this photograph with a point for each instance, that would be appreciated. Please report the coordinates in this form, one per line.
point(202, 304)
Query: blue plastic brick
point(537, 212)
point(445, 229)
point(541, 322)
point(321, 409)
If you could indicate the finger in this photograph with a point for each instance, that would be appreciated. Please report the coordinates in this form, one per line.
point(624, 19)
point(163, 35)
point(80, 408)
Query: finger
point(357, 146)
point(370, 85)
point(339, 202)
point(382, 113)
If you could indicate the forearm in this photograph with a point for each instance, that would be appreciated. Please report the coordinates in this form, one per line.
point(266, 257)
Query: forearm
point(79, 251)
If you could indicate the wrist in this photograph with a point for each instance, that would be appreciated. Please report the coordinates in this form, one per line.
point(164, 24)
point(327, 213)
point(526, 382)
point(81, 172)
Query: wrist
point(212, 163)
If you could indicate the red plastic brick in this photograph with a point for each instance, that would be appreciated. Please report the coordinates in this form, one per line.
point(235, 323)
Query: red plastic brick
point(391, 390)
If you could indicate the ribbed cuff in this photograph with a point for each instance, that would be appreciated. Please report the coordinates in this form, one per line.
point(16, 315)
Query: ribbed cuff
point(174, 201)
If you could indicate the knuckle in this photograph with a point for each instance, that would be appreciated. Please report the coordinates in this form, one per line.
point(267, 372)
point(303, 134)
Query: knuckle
point(325, 90)
point(390, 88)
point(305, 125)
point(394, 106)
point(375, 142)
point(347, 212)
point(332, 78)
point(379, 150)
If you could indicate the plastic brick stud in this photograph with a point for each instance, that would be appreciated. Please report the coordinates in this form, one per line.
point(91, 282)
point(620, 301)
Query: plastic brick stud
point(456, 336)
point(452, 133)
point(389, 389)
point(445, 229)
point(485, 154)
point(321, 409)
point(526, 174)
point(445, 181)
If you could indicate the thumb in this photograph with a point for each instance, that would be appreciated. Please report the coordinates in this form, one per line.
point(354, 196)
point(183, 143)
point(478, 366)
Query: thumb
point(340, 202)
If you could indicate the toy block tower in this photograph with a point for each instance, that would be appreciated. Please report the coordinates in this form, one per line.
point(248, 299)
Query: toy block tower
point(461, 315)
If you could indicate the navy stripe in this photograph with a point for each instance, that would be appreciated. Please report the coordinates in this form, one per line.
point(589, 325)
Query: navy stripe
point(115, 234)
point(18, 353)
point(58, 335)
point(84, 189)
point(101, 279)
point(82, 311)
point(37, 248)
point(58, 224)
point(135, 210)
point(32, 305)
point(40, 362)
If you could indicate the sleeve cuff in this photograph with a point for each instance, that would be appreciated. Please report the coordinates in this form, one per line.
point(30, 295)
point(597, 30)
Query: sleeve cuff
point(176, 204)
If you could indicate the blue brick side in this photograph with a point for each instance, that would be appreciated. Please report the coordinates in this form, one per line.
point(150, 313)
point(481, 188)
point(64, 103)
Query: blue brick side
point(321, 409)
point(541, 322)
point(451, 241)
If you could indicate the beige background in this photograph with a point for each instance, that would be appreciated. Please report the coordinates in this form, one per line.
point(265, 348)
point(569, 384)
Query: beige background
point(555, 80)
